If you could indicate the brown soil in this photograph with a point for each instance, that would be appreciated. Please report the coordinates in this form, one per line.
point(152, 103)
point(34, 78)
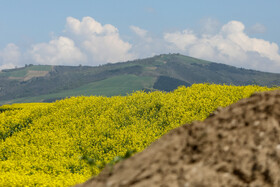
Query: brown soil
point(236, 146)
point(32, 74)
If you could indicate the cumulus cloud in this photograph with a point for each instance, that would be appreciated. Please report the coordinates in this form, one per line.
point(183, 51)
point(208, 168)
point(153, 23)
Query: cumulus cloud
point(142, 33)
point(181, 39)
point(231, 45)
point(10, 56)
point(89, 26)
point(85, 42)
point(101, 43)
point(257, 29)
point(137, 30)
point(209, 25)
point(60, 51)
point(145, 44)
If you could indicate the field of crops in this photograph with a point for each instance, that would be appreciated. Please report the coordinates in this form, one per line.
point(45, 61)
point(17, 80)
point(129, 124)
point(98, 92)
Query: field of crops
point(64, 143)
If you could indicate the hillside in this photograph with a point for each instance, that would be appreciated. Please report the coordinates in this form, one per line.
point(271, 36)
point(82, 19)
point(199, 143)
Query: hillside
point(66, 142)
point(38, 83)
point(235, 146)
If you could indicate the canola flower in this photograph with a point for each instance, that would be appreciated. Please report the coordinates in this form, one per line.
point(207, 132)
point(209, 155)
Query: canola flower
point(66, 142)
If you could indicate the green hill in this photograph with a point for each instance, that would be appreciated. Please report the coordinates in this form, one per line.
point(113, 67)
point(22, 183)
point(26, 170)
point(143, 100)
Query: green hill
point(42, 83)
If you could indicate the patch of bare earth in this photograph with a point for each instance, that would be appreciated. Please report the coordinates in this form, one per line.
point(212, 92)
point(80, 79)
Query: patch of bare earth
point(236, 146)
point(31, 74)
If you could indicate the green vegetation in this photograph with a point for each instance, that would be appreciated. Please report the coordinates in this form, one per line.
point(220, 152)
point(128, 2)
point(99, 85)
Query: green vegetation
point(118, 85)
point(21, 72)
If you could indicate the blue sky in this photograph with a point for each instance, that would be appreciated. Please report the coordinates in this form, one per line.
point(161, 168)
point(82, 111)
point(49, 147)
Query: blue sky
point(67, 32)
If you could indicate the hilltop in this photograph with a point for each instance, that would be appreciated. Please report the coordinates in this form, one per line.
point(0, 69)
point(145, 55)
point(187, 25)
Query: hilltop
point(43, 83)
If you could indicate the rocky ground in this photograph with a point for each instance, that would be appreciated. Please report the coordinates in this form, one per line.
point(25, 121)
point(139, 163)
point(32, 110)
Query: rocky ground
point(236, 146)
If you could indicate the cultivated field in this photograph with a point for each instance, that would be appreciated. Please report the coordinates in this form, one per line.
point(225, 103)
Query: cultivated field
point(66, 142)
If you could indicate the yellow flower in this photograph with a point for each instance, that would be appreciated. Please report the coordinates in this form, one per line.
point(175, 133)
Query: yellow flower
point(64, 143)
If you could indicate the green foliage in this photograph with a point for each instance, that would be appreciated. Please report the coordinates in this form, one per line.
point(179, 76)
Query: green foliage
point(21, 72)
point(168, 84)
point(66, 142)
point(128, 154)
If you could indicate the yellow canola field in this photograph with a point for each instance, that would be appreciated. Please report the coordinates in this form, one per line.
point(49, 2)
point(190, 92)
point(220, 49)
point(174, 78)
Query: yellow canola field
point(64, 143)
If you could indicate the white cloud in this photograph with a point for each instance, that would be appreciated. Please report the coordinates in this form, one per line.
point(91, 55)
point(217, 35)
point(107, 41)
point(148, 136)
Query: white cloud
point(181, 39)
point(257, 29)
point(142, 33)
point(88, 26)
point(60, 51)
point(149, 47)
point(101, 43)
point(107, 49)
point(144, 45)
point(231, 46)
point(10, 56)
point(137, 30)
point(209, 25)
point(85, 42)
point(233, 27)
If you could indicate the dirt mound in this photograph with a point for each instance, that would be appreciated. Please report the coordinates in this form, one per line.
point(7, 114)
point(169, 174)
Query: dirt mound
point(236, 146)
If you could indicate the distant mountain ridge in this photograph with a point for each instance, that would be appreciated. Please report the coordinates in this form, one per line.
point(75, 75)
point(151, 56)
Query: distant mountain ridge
point(44, 83)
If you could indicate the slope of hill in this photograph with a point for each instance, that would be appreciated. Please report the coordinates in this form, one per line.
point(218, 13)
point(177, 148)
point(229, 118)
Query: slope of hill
point(66, 142)
point(227, 149)
point(37, 83)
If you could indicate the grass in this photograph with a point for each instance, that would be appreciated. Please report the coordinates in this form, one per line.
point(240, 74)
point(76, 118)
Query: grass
point(182, 58)
point(118, 85)
point(22, 72)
